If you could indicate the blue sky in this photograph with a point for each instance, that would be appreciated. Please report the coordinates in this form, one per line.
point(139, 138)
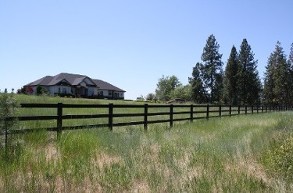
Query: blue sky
point(129, 43)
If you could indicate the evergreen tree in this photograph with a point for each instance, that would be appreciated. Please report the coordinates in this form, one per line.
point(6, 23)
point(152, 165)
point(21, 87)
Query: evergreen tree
point(230, 78)
point(249, 85)
point(290, 84)
point(212, 69)
point(277, 78)
point(291, 55)
point(198, 93)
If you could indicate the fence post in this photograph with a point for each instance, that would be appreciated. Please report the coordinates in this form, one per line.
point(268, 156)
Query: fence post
point(208, 111)
point(251, 109)
point(257, 109)
point(230, 110)
point(145, 117)
point(111, 116)
point(238, 109)
point(220, 111)
point(191, 113)
point(171, 115)
point(262, 108)
point(245, 109)
point(59, 119)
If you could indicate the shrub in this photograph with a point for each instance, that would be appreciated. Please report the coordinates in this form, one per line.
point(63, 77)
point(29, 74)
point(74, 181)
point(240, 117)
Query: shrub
point(8, 108)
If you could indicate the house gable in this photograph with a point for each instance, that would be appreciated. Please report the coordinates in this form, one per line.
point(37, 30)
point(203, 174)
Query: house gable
point(78, 86)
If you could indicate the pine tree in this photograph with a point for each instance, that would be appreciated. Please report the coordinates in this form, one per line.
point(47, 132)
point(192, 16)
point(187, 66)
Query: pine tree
point(212, 69)
point(290, 84)
point(198, 93)
point(277, 78)
point(291, 55)
point(230, 78)
point(249, 85)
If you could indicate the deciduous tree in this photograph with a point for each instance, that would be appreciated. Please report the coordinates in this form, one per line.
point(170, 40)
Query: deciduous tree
point(165, 86)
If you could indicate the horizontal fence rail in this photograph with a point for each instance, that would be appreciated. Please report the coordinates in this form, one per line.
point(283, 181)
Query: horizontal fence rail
point(144, 114)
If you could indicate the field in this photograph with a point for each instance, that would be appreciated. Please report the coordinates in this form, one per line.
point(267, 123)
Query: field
point(248, 153)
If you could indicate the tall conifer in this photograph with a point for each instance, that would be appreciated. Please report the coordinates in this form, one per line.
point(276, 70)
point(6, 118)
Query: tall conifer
point(277, 78)
point(197, 89)
point(230, 78)
point(249, 84)
point(212, 69)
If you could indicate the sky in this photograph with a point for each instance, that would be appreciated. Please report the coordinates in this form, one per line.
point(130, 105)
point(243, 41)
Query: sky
point(132, 43)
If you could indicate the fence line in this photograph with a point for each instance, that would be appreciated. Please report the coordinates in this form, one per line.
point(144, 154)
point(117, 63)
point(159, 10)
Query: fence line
point(192, 112)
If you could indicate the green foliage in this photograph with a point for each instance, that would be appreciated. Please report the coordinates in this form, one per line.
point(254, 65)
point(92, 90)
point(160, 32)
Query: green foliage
point(8, 108)
point(249, 84)
point(182, 92)
point(165, 86)
point(198, 92)
point(291, 55)
point(230, 78)
point(151, 97)
point(278, 79)
point(41, 90)
point(212, 69)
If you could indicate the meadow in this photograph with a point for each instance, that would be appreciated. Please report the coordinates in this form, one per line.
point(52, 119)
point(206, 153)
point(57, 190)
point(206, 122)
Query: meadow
point(248, 153)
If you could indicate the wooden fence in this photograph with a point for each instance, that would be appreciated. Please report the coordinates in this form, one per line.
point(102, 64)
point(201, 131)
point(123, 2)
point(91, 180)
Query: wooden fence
point(190, 112)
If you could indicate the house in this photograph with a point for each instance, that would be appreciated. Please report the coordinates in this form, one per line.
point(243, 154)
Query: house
point(75, 85)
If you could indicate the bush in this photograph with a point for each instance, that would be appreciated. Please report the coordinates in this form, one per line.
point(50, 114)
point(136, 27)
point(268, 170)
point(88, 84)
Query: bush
point(8, 108)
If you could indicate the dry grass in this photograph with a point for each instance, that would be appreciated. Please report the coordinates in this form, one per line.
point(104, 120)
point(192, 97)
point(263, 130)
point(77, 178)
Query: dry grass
point(220, 155)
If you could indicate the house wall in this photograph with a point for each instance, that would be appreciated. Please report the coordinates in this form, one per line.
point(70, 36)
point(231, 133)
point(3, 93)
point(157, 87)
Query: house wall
point(60, 90)
point(111, 94)
point(118, 94)
point(103, 93)
point(92, 91)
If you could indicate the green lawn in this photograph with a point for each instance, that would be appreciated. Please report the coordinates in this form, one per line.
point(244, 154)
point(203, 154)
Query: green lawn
point(252, 153)
point(94, 111)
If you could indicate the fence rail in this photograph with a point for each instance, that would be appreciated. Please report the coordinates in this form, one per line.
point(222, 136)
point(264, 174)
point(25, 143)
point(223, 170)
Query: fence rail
point(189, 113)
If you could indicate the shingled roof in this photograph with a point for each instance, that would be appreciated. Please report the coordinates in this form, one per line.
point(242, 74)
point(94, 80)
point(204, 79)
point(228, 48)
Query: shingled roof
point(73, 79)
point(106, 86)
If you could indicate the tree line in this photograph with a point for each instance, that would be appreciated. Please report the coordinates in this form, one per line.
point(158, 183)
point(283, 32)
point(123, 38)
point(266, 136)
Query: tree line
point(238, 84)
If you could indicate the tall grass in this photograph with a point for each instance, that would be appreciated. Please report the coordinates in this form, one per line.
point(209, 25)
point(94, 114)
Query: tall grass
point(237, 154)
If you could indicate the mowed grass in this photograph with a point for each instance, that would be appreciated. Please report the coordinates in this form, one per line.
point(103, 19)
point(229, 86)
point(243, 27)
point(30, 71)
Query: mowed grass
point(102, 110)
